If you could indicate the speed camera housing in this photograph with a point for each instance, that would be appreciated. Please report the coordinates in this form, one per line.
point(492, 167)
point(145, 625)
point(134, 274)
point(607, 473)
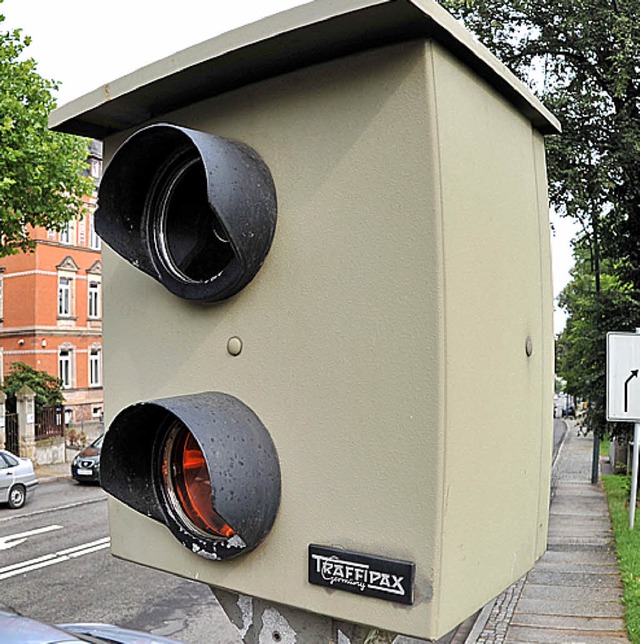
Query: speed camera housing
point(392, 340)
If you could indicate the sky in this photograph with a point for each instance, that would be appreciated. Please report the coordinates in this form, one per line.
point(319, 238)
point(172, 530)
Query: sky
point(84, 45)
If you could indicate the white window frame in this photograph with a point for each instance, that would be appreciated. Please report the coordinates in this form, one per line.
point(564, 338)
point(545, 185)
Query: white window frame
point(95, 167)
point(65, 368)
point(95, 367)
point(67, 234)
point(93, 299)
point(94, 240)
point(81, 229)
point(65, 288)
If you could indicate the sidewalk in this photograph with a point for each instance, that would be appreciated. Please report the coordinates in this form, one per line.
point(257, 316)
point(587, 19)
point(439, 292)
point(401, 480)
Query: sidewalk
point(56, 471)
point(53, 471)
point(574, 593)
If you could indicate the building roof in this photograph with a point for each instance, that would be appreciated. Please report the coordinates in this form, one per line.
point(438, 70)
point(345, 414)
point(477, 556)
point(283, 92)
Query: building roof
point(306, 35)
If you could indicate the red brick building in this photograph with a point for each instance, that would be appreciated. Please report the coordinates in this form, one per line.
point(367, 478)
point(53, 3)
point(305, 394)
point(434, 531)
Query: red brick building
point(51, 307)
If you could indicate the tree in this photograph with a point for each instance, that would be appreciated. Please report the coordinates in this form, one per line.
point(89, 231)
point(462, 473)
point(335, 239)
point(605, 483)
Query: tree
point(48, 389)
point(581, 347)
point(42, 173)
point(582, 59)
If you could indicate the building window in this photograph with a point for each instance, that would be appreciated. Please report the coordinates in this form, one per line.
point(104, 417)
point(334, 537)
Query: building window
point(67, 233)
point(95, 167)
point(67, 270)
point(95, 368)
point(94, 240)
point(82, 241)
point(64, 296)
point(64, 368)
point(94, 300)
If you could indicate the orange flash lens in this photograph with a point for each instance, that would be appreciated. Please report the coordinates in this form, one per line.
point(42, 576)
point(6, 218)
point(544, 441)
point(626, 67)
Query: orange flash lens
point(186, 473)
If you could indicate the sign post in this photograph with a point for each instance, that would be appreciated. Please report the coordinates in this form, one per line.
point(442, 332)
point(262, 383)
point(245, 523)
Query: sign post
point(623, 395)
point(634, 475)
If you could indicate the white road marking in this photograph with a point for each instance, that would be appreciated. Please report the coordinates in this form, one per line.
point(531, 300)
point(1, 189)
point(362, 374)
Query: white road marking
point(54, 558)
point(13, 540)
point(24, 515)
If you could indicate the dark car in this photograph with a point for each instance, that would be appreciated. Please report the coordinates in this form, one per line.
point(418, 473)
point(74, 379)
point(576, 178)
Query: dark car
point(85, 467)
point(15, 629)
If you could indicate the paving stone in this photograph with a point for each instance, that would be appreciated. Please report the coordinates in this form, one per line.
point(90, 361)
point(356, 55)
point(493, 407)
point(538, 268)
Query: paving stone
point(606, 567)
point(570, 608)
point(532, 591)
point(576, 580)
point(554, 556)
point(563, 622)
point(592, 542)
point(577, 521)
point(554, 636)
point(592, 536)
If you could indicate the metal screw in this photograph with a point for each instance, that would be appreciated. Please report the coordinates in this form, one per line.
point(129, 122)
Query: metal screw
point(234, 346)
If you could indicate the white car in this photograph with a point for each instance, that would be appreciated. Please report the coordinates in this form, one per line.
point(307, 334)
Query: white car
point(16, 629)
point(17, 479)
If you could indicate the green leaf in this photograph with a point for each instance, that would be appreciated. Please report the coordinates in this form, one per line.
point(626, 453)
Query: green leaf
point(43, 174)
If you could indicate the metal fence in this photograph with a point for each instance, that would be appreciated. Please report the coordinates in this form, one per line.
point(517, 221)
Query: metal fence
point(80, 424)
point(50, 422)
point(11, 432)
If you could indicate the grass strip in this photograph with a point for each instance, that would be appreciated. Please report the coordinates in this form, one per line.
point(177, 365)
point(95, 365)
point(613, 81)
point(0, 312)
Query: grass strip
point(628, 549)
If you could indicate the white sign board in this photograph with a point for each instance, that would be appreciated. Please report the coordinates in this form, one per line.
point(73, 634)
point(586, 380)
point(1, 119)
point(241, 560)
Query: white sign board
point(623, 377)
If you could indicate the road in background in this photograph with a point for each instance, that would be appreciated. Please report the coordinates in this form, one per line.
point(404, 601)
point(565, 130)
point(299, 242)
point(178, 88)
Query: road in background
point(559, 430)
point(55, 566)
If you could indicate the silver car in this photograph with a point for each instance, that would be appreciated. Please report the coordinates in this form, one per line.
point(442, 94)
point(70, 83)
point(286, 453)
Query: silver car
point(17, 479)
point(15, 629)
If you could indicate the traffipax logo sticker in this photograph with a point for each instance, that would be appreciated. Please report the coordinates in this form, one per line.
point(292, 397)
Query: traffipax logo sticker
point(362, 574)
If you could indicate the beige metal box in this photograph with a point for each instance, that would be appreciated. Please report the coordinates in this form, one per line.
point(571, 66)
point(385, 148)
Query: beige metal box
point(396, 342)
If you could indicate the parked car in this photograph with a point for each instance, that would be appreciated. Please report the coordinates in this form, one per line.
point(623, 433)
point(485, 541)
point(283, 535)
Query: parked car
point(17, 479)
point(15, 629)
point(85, 467)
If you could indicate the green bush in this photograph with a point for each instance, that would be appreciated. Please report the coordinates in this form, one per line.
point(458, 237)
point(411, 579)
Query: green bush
point(48, 389)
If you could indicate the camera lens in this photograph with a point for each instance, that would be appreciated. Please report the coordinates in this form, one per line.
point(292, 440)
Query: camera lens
point(194, 211)
point(188, 237)
point(187, 485)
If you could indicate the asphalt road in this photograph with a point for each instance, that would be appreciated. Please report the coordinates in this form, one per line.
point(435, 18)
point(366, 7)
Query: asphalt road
point(55, 566)
point(559, 429)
